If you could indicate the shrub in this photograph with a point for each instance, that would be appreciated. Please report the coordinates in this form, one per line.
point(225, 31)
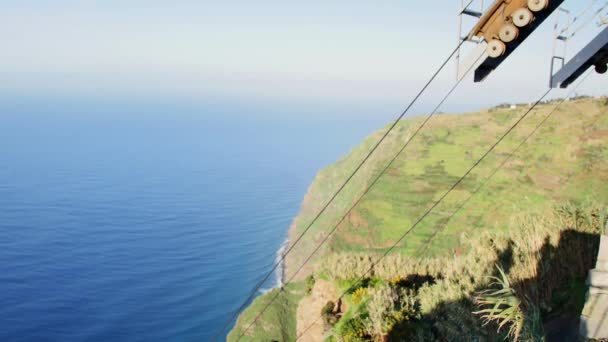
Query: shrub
point(354, 330)
point(348, 266)
point(359, 295)
point(580, 97)
point(540, 255)
point(310, 283)
point(501, 305)
point(396, 280)
point(389, 306)
point(328, 315)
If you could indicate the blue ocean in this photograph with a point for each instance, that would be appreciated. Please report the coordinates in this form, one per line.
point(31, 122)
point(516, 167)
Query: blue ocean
point(133, 221)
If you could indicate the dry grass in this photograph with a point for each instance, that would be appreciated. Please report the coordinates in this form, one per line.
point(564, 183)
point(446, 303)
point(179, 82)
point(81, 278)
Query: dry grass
point(541, 255)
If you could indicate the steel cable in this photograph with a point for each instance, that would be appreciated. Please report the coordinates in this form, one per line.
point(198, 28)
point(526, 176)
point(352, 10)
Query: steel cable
point(324, 208)
point(423, 250)
point(368, 188)
point(406, 233)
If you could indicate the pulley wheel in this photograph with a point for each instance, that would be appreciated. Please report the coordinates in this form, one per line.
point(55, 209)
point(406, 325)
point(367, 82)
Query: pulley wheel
point(522, 17)
point(601, 68)
point(496, 48)
point(508, 33)
point(537, 5)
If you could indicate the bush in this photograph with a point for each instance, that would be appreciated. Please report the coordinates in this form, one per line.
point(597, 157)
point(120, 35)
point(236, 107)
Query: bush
point(354, 330)
point(348, 266)
point(310, 283)
point(327, 312)
point(540, 255)
point(501, 304)
point(389, 306)
point(580, 97)
point(358, 295)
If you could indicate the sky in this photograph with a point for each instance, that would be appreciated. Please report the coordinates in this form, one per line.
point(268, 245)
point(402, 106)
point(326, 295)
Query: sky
point(356, 53)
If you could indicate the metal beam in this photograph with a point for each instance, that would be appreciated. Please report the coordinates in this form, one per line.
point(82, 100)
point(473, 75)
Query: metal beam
point(595, 53)
point(490, 64)
point(472, 13)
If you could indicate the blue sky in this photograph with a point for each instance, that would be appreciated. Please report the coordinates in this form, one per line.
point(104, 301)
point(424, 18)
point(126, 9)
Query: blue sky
point(363, 52)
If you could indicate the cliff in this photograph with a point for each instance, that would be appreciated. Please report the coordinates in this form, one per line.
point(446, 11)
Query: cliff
point(553, 166)
point(564, 163)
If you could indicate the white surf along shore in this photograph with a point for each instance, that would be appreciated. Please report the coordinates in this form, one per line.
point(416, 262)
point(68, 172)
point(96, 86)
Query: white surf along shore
point(279, 275)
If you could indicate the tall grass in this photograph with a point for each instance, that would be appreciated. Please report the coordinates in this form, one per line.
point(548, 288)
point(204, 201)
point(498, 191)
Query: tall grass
point(542, 254)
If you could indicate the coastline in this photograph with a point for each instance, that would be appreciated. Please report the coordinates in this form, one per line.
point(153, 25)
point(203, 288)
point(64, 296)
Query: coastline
point(292, 235)
point(279, 273)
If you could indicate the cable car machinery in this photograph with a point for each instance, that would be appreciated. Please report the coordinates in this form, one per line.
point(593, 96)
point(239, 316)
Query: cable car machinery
point(502, 28)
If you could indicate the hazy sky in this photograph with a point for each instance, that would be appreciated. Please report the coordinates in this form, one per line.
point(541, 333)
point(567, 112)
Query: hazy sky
point(364, 52)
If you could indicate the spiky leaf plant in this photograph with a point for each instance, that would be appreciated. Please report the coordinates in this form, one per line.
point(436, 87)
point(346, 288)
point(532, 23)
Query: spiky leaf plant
point(501, 306)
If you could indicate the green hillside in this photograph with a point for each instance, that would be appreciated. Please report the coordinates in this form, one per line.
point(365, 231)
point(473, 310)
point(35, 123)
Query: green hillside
point(557, 164)
point(564, 164)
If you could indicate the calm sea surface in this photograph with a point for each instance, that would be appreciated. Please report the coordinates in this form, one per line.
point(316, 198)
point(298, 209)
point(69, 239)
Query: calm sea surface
point(146, 223)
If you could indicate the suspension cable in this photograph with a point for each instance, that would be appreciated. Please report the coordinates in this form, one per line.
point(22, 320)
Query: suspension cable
point(589, 20)
point(585, 23)
point(578, 16)
point(324, 208)
point(368, 188)
point(424, 248)
point(406, 233)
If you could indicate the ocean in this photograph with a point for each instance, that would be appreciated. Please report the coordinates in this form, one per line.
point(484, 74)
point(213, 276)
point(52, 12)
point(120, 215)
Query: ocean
point(131, 221)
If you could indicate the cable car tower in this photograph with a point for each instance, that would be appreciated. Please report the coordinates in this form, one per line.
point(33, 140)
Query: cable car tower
point(594, 54)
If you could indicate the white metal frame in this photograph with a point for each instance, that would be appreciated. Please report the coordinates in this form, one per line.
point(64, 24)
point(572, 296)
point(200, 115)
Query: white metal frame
point(467, 11)
point(560, 36)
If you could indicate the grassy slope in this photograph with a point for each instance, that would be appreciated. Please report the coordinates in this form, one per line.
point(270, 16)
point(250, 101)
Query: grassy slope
point(560, 163)
point(556, 164)
point(278, 323)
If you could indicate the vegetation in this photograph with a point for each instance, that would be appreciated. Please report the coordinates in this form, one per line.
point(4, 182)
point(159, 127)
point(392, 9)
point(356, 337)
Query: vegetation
point(580, 97)
point(278, 323)
point(502, 306)
point(359, 295)
point(310, 283)
point(467, 297)
point(388, 306)
point(329, 316)
point(564, 161)
point(525, 241)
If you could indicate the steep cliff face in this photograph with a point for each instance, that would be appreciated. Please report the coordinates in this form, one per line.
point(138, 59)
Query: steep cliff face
point(566, 160)
point(558, 163)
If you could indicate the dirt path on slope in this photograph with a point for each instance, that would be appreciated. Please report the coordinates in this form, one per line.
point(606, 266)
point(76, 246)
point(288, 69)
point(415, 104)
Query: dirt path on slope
point(309, 311)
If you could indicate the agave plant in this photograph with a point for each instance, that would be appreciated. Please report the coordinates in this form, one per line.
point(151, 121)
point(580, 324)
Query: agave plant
point(500, 305)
